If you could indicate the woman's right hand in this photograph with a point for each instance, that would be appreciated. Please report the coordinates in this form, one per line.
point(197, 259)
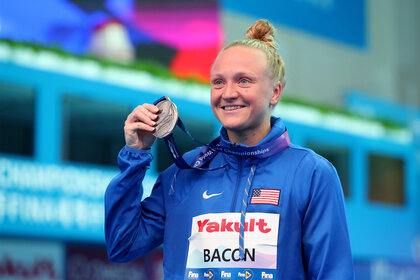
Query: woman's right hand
point(139, 126)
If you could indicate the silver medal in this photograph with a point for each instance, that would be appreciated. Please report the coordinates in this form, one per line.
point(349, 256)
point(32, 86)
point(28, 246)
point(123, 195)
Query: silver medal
point(167, 118)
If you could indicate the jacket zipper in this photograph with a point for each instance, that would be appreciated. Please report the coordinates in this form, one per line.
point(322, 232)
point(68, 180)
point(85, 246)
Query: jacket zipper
point(238, 181)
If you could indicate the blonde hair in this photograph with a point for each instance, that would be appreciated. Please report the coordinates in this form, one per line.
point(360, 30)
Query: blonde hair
point(261, 36)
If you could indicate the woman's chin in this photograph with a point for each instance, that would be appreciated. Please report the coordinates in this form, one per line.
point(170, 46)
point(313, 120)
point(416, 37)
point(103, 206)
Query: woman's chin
point(232, 126)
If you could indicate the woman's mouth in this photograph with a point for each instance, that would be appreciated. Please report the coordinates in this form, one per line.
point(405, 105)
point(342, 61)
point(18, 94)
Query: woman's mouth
point(231, 107)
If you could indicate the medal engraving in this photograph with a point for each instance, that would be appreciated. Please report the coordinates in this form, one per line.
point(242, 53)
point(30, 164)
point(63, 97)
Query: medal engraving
point(167, 118)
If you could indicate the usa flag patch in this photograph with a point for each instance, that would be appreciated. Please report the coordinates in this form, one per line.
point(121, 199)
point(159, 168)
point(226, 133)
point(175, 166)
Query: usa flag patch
point(265, 196)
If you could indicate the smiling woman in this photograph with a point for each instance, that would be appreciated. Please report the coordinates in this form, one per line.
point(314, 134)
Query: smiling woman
point(247, 79)
point(224, 219)
point(242, 93)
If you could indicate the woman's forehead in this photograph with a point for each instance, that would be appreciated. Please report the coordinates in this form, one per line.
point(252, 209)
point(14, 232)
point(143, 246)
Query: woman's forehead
point(240, 59)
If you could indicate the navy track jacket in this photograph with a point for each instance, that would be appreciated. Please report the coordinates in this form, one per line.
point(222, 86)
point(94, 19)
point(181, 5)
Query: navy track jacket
point(295, 225)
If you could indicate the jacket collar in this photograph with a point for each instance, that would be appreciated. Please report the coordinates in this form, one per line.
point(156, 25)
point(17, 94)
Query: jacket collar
point(277, 129)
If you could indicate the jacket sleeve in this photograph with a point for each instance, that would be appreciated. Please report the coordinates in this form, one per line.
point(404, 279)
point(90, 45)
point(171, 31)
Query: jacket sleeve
point(325, 238)
point(132, 227)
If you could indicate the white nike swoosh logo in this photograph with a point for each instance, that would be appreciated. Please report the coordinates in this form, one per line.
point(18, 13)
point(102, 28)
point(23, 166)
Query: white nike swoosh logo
point(207, 196)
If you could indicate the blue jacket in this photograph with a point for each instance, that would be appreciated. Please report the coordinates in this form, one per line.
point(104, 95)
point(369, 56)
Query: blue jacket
point(299, 231)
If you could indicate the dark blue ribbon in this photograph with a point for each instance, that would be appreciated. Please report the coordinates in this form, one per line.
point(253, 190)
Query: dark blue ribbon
point(210, 150)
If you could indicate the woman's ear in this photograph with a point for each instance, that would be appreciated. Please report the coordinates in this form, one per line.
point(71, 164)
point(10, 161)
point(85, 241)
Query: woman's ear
point(276, 93)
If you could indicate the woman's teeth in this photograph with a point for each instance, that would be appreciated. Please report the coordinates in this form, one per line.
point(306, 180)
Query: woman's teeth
point(232, 107)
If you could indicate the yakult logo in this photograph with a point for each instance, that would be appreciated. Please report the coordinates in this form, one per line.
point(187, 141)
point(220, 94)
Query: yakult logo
point(206, 225)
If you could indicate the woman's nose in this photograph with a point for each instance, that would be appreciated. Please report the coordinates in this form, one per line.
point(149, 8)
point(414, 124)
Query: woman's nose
point(230, 91)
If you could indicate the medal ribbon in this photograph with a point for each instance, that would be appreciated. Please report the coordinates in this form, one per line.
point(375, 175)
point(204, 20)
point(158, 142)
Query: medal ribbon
point(210, 150)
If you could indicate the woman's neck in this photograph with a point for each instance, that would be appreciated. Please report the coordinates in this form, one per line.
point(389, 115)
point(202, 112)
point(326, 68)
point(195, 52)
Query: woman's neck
point(249, 137)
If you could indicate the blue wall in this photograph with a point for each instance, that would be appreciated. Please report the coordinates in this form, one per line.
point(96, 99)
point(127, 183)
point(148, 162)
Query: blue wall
point(342, 21)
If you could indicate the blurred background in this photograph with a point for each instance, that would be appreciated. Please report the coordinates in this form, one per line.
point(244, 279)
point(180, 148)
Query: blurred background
point(72, 70)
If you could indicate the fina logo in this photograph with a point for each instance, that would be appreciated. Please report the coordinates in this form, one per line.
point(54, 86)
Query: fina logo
point(247, 274)
point(192, 275)
point(266, 275)
point(209, 274)
point(226, 275)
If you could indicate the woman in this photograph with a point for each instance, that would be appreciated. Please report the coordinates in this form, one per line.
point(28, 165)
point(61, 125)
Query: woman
point(276, 215)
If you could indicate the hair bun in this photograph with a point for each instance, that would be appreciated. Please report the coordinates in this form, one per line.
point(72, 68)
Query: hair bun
point(261, 36)
point(262, 30)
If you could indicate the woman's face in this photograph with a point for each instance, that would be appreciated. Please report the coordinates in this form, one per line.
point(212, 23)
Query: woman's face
point(242, 90)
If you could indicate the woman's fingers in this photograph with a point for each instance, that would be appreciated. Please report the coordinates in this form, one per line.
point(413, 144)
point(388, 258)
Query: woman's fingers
point(144, 113)
point(139, 125)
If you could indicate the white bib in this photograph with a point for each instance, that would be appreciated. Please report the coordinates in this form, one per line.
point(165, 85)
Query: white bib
point(214, 246)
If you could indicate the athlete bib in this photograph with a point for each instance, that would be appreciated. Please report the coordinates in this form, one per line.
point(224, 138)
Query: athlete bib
point(214, 247)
